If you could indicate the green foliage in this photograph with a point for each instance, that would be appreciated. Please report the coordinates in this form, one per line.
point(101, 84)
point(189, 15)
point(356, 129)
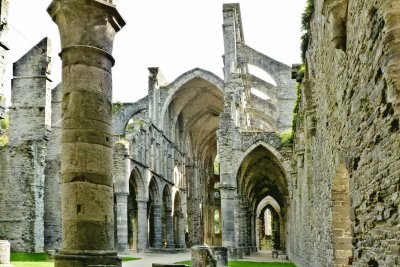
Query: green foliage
point(286, 138)
point(305, 26)
point(296, 107)
point(5, 128)
point(117, 106)
point(134, 125)
point(250, 264)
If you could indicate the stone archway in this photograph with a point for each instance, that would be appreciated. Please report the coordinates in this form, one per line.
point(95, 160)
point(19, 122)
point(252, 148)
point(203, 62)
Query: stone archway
point(179, 226)
point(154, 215)
point(167, 219)
point(132, 215)
point(261, 174)
point(268, 240)
point(342, 234)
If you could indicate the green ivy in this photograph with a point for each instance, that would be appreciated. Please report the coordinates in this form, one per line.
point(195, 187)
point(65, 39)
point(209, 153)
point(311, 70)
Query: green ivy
point(5, 124)
point(286, 138)
point(117, 106)
point(305, 26)
point(296, 107)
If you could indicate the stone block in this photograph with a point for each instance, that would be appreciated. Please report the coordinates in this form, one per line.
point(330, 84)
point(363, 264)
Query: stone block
point(202, 257)
point(4, 253)
point(220, 255)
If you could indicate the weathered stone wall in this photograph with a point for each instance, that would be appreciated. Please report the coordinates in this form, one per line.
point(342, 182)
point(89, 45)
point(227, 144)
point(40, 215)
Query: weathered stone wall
point(29, 131)
point(352, 69)
point(52, 188)
point(3, 50)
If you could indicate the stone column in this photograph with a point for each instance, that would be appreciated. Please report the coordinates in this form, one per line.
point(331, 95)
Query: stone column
point(142, 225)
point(122, 221)
point(181, 231)
point(87, 29)
point(170, 228)
point(227, 216)
point(157, 242)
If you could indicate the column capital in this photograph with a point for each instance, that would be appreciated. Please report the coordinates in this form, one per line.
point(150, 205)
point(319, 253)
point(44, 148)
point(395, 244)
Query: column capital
point(86, 24)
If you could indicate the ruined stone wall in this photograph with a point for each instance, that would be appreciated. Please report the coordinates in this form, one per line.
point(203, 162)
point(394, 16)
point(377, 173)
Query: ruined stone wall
point(52, 190)
point(3, 49)
point(23, 178)
point(352, 67)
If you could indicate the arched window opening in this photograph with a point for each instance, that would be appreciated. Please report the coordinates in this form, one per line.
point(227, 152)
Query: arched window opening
point(260, 94)
point(262, 74)
point(268, 222)
point(217, 219)
point(216, 165)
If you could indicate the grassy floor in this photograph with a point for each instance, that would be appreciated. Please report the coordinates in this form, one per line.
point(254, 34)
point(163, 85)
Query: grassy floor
point(40, 260)
point(251, 264)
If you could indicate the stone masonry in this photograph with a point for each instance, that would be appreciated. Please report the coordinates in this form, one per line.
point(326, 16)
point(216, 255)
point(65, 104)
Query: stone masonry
point(200, 160)
point(23, 160)
point(345, 205)
point(87, 30)
point(3, 49)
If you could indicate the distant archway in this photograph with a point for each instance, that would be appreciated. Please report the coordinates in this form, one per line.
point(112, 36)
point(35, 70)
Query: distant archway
point(179, 223)
point(167, 222)
point(154, 215)
point(132, 210)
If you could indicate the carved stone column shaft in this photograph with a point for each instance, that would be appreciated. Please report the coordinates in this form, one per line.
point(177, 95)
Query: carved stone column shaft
point(87, 29)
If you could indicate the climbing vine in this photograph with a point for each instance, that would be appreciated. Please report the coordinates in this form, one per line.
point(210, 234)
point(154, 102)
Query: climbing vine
point(305, 26)
point(117, 106)
point(5, 128)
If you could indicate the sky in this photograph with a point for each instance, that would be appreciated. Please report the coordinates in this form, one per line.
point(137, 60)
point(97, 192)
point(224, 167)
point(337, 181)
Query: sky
point(175, 35)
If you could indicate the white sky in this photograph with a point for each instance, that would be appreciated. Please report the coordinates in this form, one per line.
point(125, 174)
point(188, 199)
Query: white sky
point(175, 35)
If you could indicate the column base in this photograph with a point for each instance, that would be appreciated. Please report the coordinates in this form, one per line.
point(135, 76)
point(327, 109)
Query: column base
point(86, 259)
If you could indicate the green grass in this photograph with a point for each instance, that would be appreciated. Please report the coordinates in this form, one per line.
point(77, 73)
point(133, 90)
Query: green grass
point(40, 260)
point(19, 259)
point(129, 259)
point(250, 264)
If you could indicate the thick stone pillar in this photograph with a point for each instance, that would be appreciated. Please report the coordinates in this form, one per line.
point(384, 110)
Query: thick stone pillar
point(87, 29)
point(142, 225)
point(170, 229)
point(157, 242)
point(122, 221)
point(181, 231)
point(227, 216)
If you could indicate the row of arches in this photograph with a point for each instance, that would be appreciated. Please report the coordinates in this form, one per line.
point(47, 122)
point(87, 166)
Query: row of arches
point(162, 215)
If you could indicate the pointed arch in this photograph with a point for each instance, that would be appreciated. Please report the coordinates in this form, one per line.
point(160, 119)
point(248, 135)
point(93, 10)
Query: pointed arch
point(167, 200)
point(154, 194)
point(177, 84)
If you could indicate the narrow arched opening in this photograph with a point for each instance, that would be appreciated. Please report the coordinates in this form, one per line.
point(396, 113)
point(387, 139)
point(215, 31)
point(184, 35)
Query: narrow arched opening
point(132, 215)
